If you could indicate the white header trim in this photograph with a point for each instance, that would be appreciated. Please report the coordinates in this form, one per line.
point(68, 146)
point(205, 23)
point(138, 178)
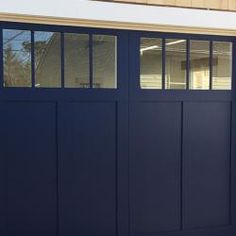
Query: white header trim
point(118, 12)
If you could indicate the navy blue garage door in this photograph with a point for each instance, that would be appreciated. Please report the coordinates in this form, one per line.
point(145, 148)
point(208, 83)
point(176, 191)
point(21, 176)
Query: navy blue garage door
point(107, 133)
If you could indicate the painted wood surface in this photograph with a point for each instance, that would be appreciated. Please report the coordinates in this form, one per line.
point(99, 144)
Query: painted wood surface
point(229, 5)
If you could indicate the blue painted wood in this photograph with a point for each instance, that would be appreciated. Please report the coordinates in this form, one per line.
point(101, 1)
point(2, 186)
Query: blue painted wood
point(206, 156)
point(118, 162)
point(205, 198)
point(88, 169)
point(155, 153)
point(29, 143)
point(233, 142)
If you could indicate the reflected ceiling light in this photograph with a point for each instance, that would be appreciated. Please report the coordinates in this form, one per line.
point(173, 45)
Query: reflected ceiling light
point(156, 46)
point(176, 42)
point(148, 48)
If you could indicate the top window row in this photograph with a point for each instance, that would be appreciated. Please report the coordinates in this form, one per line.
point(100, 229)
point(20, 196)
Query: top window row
point(182, 64)
point(54, 60)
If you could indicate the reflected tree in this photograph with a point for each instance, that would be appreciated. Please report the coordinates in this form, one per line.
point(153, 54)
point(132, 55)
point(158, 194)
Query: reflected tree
point(17, 67)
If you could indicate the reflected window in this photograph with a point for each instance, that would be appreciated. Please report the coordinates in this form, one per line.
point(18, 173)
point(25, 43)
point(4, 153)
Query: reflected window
point(222, 65)
point(17, 58)
point(76, 54)
point(199, 77)
point(175, 71)
point(47, 51)
point(151, 63)
point(104, 61)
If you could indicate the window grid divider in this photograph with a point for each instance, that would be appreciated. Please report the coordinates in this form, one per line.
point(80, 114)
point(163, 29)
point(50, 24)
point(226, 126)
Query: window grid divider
point(211, 65)
point(62, 61)
point(163, 63)
point(90, 61)
point(32, 60)
point(1, 60)
point(187, 64)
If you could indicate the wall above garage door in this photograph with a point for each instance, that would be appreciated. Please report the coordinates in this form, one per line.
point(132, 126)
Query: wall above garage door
point(228, 5)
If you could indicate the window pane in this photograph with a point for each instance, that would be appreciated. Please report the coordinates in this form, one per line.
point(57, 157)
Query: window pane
point(222, 65)
point(150, 63)
point(76, 60)
point(199, 65)
point(17, 58)
point(175, 74)
point(104, 61)
point(47, 52)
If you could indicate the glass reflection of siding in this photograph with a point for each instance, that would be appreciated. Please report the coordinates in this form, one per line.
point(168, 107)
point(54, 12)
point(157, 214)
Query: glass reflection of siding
point(47, 59)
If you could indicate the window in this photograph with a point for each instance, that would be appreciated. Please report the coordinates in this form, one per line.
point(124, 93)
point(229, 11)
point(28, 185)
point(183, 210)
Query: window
point(199, 65)
point(76, 53)
point(104, 61)
point(176, 57)
point(187, 64)
point(47, 51)
point(71, 60)
point(222, 65)
point(150, 63)
point(17, 58)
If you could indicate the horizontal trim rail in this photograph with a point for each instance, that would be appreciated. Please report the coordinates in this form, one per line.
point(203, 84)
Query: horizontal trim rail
point(21, 18)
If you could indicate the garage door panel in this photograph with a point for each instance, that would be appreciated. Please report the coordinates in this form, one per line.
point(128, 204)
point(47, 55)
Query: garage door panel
point(155, 166)
point(88, 168)
point(29, 151)
point(233, 163)
point(206, 163)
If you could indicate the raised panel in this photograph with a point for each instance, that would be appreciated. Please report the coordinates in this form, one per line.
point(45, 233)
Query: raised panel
point(155, 152)
point(28, 135)
point(88, 169)
point(206, 153)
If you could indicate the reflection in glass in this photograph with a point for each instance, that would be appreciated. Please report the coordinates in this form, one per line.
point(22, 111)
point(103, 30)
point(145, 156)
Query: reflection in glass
point(76, 53)
point(222, 65)
point(150, 63)
point(175, 74)
point(199, 65)
point(17, 58)
point(104, 61)
point(47, 52)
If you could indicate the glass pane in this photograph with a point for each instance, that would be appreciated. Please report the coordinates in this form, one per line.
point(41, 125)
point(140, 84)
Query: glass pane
point(151, 63)
point(76, 48)
point(17, 58)
point(199, 65)
point(47, 48)
point(104, 61)
point(175, 74)
point(222, 65)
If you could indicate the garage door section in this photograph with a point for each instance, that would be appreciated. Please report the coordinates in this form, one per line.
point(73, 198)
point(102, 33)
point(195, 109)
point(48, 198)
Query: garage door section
point(115, 133)
point(63, 121)
point(181, 135)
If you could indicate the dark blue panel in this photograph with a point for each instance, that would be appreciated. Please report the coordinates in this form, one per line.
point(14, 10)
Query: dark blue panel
point(123, 169)
point(3, 181)
point(28, 140)
point(88, 168)
point(233, 163)
point(206, 164)
point(212, 231)
point(155, 167)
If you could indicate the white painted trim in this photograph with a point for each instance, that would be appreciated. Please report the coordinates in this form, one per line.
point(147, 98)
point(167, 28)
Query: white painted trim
point(123, 13)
